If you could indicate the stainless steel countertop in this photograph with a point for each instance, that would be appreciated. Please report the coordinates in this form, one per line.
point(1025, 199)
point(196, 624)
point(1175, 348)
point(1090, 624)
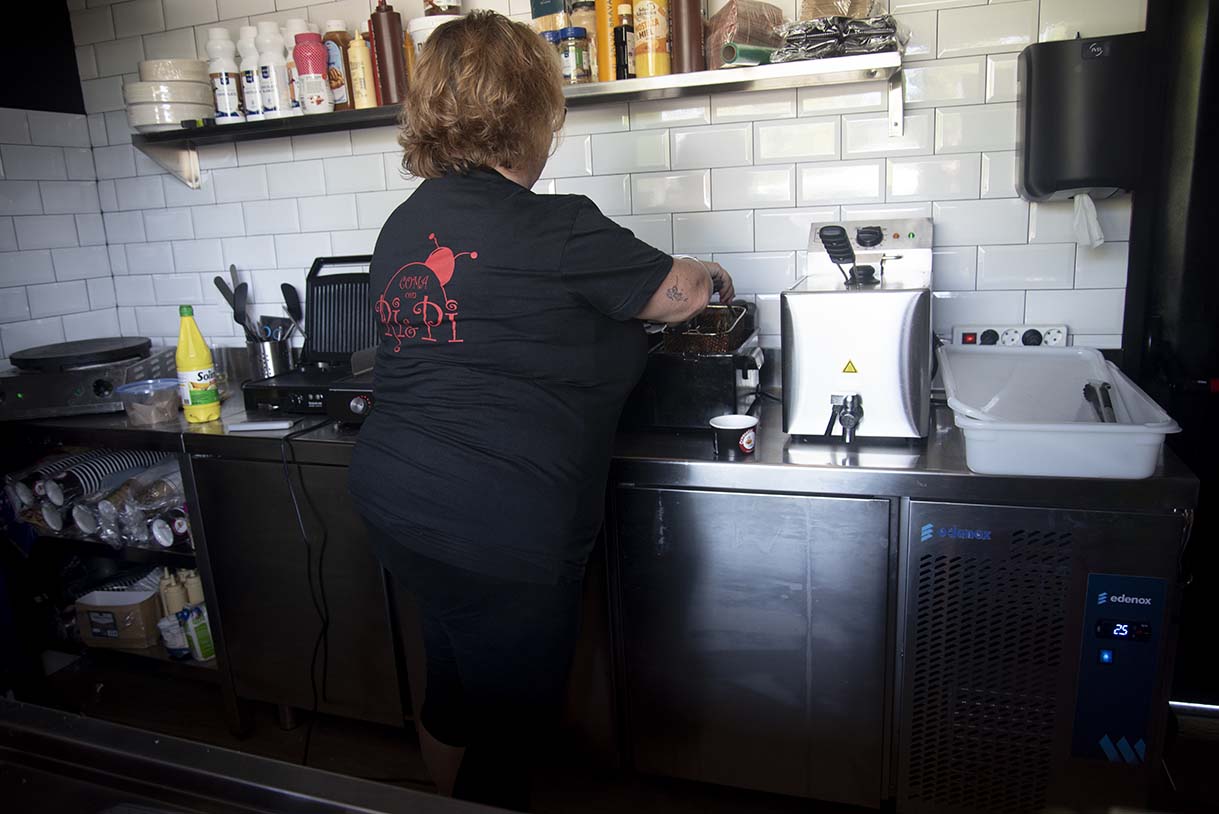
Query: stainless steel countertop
point(930, 470)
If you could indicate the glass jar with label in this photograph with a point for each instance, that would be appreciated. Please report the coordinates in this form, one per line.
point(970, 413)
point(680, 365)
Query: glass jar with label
point(573, 51)
point(552, 37)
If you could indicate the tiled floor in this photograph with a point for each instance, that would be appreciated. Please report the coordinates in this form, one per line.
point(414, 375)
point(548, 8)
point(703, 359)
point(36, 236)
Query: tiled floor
point(189, 710)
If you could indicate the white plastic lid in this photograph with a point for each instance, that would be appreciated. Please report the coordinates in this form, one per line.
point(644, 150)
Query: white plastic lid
point(267, 27)
point(336, 25)
point(247, 32)
point(296, 25)
point(218, 34)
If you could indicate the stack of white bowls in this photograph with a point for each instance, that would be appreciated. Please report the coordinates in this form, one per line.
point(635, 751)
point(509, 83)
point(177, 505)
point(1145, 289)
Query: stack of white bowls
point(169, 91)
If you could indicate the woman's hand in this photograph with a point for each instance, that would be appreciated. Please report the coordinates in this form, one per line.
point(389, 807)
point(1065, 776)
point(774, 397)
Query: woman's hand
point(721, 282)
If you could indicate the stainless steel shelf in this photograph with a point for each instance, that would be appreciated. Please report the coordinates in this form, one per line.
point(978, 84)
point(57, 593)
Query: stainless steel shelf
point(177, 150)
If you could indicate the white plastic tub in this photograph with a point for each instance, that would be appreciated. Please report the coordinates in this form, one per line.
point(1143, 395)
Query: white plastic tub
point(1022, 412)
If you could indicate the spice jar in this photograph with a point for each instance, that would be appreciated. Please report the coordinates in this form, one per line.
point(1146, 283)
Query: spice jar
point(584, 15)
point(552, 37)
point(573, 50)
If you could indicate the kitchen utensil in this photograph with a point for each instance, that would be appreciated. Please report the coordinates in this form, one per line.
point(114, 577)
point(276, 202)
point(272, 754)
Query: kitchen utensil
point(718, 329)
point(1092, 396)
point(241, 315)
point(292, 305)
point(1106, 400)
point(224, 289)
point(236, 281)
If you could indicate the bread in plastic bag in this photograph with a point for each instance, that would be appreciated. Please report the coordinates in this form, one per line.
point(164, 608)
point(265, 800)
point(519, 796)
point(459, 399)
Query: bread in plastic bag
point(745, 22)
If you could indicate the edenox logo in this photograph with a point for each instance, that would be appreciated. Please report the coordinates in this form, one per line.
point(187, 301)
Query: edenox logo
point(1121, 599)
point(929, 531)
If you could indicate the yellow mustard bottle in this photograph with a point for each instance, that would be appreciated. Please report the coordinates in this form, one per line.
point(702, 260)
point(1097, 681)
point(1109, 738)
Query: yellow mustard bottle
point(196, 373)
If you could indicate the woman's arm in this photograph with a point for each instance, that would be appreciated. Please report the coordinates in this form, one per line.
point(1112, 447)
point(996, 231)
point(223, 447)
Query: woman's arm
point(686, 291)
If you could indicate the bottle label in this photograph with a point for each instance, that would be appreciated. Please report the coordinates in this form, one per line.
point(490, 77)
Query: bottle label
point(335, 74)
point(272, 90)
point(198, 387)
point(249, 88)
point(228, 99)
point(651, 28)
point(293, 91)
point(314, 90)
point(630, 54)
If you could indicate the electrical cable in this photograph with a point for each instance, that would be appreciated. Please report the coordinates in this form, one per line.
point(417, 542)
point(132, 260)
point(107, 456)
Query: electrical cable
point(321, 608)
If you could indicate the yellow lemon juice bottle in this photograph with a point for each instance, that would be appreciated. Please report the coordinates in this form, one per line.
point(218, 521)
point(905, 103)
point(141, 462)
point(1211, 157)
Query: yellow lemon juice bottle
point(196, 373)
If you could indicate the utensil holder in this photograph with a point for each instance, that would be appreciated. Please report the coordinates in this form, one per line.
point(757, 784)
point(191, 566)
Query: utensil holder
point(269, 358)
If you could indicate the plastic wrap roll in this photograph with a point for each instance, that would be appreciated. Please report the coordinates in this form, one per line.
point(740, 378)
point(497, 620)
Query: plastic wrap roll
point(735, 55)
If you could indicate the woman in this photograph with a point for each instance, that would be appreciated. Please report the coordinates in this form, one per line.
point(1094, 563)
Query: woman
point(511, 337)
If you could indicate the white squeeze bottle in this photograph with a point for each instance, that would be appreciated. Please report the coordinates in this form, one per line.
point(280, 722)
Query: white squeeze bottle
point(272, 72)
point(291, 29)
point(226, 78)
point(249, 73)
point(196, 372)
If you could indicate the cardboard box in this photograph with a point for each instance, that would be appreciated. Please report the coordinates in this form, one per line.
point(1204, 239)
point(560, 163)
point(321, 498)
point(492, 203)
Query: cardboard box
point(119, 619)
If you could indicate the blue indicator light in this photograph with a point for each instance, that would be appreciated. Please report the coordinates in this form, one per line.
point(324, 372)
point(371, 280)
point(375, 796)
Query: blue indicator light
point(1106, 657)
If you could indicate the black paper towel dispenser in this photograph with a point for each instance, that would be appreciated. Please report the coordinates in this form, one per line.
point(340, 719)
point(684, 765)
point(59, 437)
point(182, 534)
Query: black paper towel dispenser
point(1080, 117)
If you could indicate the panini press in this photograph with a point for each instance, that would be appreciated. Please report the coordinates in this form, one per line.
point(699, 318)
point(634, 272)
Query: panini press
point(79, 378)
point(340, 321)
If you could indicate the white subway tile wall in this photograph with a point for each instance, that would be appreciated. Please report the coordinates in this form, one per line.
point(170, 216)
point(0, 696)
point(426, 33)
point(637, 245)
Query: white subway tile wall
point(735, 176)
point(52, 236)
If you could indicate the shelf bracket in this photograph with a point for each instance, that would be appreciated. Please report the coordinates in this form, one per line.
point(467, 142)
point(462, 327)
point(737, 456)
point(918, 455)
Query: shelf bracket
point(182, 161)
point(897, 104)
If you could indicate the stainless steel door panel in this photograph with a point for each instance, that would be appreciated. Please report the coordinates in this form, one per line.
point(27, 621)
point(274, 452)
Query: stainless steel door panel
point(754, 632)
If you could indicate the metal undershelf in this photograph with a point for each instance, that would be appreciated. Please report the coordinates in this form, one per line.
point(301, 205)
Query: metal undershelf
point(177, 150)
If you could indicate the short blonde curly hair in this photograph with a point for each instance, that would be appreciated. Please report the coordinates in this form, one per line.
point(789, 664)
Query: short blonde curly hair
point(485, 91)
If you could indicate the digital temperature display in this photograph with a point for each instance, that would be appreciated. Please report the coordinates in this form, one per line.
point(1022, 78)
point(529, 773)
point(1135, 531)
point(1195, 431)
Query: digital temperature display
point(1120, 629)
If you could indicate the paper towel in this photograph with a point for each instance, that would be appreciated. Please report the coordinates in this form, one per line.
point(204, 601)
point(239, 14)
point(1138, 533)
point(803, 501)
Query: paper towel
point(1087, 226)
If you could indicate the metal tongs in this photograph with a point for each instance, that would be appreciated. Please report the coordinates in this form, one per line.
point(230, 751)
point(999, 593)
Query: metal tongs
point(1099, 395)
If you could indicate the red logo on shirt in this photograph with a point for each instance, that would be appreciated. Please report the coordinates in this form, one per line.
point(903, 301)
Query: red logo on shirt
point(420, 289)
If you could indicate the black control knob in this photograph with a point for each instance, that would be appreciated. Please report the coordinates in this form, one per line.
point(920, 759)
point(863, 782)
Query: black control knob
point(869, 236)
point(989, 337)
point(102, 388)
point(359, 405)
point(1031, 337)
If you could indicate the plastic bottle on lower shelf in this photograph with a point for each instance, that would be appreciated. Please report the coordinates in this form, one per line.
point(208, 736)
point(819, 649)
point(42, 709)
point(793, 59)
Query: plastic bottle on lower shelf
point(248, 66)
point(226, 77)
point(272, 72)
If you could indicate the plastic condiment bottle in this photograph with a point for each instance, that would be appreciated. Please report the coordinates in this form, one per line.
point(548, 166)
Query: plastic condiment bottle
point(338, 72)
point(196, 372)
point(194, 587)
point(312, 82)
point(363, 93)
point(226, 78)
point(387, 35)
point(252, 101)
point(272, 72)
point(291, 29)
point(651, 38)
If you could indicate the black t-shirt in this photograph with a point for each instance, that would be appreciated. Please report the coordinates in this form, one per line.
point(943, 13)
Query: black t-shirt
point(509, 345)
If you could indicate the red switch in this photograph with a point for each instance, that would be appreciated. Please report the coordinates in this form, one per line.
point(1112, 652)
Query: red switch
point(969, 339)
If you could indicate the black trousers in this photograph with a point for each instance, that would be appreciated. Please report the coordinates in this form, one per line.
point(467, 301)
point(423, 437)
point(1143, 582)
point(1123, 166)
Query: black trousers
point(498, 658)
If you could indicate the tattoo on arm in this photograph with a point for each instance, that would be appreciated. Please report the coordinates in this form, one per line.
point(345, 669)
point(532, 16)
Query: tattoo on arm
point(674, 293)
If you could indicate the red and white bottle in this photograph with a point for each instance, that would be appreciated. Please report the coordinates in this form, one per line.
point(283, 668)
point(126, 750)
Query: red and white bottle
point(313, 81)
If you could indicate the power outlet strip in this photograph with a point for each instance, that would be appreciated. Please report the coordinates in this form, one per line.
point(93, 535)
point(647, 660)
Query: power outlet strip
point(1010, 335)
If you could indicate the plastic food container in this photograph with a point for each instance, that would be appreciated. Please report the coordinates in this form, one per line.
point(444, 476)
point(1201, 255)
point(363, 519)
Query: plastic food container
point(152, 401)
point(174, 70)
point(1022, 412)
point(421, 28)
point(197, 93)
point(150, 118)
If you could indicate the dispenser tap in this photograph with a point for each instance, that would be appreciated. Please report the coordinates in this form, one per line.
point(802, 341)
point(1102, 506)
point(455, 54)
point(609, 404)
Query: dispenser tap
point(850, 414)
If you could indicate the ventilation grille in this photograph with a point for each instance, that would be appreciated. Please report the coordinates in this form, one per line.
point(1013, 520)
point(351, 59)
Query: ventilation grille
point(985, 652)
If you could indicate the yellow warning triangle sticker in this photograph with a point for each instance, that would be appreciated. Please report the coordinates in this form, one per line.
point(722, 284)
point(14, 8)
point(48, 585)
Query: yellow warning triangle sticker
point(850, 368)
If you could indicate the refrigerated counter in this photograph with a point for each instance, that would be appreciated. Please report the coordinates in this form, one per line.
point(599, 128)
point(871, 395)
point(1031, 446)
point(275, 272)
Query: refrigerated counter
point(858, 624)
